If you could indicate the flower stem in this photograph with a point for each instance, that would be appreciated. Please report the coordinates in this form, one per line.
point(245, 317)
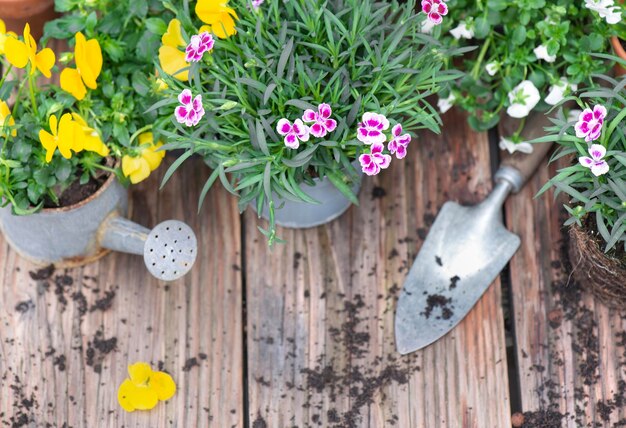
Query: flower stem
point(139, 131)
point(31, 90)
point(6, 74)
point(481, 57)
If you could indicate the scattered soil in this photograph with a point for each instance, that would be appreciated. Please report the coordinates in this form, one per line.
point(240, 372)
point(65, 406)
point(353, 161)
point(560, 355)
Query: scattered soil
point(569, 307)
point(98, 348)
point(378, 192)
point(259, 422)
point(438, 301)
point(23, 307)
point(103, 303)
point(190, 363)
point(24, 406)
point(356, 376)
point(42, 274)
point(454, 281)
point(542, 419)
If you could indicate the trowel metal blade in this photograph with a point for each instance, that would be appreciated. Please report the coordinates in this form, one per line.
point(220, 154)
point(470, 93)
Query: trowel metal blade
point(461, 256)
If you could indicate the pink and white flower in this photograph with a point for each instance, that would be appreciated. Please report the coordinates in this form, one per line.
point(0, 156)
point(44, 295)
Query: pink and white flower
point(595, 162)
point(199, 44)
point(257, 3)
point(322, 123)
point(435, 10)
point(371, 128)
point(399, 143)
point(372, 163)
point(589, 125)
point(293, 132)
point(191, 110)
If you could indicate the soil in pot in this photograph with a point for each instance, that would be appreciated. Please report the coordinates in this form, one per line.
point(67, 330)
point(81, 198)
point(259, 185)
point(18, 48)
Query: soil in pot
point(603, 274)
point(77, 192)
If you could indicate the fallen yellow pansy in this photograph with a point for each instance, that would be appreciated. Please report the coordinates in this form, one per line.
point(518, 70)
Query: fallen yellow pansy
point(88, 58)
point(21, 53)
point(145, 388)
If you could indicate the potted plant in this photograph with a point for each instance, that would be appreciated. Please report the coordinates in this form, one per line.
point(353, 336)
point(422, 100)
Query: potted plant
point(595, 183)
point(63, 165)
point(531, 55)
point(290, 102)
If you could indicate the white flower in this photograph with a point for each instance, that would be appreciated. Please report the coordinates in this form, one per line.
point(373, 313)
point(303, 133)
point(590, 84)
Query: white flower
point(427, 26)
point(446, 104)
point(462, 31)
point(541, 52)
point(512, 147)
point(558, 90)
point(523, 98)
point(492, 68)
point(606, 9)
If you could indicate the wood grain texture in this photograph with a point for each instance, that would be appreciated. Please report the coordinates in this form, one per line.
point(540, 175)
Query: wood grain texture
point(569, 347)
point(320, 308)
point(50, 349)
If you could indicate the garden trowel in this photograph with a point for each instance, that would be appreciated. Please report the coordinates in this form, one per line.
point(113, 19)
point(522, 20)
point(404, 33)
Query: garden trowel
point(466, 248)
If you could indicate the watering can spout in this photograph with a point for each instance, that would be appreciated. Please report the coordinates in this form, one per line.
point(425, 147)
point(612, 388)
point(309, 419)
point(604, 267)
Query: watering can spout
point(169, 250)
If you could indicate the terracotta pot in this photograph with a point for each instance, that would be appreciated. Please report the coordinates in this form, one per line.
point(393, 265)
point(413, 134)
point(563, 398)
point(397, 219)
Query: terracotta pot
point(620, 52)
point(16, 13)
point(604, 276)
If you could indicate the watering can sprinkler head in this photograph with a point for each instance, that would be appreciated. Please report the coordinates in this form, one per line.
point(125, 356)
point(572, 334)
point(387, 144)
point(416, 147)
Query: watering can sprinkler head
point(169, 250)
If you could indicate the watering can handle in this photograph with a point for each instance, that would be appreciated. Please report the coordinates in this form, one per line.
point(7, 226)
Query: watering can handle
point(518, 167)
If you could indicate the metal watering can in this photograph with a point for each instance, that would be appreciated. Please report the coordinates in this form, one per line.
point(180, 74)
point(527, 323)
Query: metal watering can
point(83, 232)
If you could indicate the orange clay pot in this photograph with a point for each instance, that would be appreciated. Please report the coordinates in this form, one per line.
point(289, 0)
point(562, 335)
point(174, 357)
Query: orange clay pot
point(620, 52)
point(16, 13)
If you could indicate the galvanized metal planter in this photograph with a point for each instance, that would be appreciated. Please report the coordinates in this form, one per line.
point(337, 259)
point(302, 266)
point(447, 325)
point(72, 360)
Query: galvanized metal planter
point(302, 215)
point(83, 232)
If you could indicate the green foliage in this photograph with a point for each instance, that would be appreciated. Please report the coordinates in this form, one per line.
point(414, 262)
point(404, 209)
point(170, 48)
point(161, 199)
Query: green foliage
point(129, 33)
point(507, 31)
point(356, 55)
point(603, 197)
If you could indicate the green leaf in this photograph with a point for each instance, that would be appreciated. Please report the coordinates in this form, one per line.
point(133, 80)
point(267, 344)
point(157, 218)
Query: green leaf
point(340, 180)
point(174, 166)
point(207, 186)
point(284, 57)
point(156, 26)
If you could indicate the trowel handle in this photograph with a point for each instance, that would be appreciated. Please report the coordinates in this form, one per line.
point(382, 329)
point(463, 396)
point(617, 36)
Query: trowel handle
point(518, 167)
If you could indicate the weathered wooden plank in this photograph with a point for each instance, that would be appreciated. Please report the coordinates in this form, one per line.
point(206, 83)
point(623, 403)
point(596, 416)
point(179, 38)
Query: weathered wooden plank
point(320, 308)
point(70, 361)
point(570, 348)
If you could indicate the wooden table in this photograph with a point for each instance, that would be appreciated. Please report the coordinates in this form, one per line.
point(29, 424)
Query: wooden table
point(302, 335)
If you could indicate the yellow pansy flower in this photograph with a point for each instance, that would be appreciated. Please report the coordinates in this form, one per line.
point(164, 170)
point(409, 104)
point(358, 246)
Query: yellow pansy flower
point(171, 58)
point(88, 58)
point(19, 53)
point(88, 139)
point(219, 17)
point(63, 137)
point(145, 388)
point(4, 113)
point(4, 34)
point(138, 168)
